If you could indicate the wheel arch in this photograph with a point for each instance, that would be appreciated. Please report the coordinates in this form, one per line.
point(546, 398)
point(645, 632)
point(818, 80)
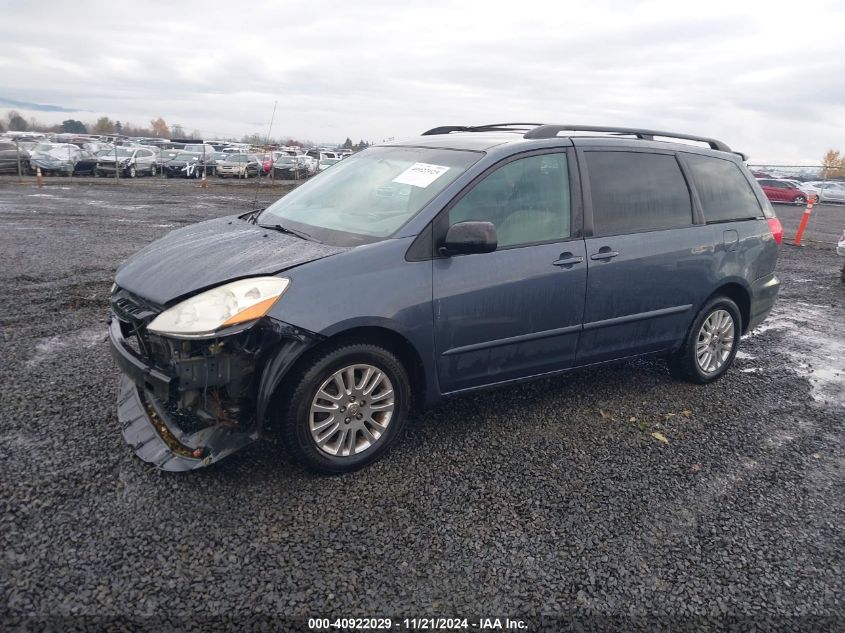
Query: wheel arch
point(740, 295)
point(386, 337)
point(392, 340)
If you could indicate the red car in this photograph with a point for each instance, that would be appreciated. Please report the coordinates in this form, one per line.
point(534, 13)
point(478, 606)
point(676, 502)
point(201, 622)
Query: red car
point(782, 191)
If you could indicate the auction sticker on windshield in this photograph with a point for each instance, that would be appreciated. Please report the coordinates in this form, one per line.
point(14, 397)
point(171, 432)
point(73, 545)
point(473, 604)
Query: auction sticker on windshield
point(420, 175)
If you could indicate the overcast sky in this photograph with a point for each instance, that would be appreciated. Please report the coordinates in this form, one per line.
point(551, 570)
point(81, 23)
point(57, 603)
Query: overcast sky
point(767, 79)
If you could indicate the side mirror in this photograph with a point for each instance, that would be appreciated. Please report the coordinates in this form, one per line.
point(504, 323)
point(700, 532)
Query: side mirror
point(465, 238)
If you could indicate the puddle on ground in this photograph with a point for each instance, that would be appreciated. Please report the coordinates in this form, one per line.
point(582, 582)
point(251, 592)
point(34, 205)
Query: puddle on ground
point(814, 339)
point(45, 348)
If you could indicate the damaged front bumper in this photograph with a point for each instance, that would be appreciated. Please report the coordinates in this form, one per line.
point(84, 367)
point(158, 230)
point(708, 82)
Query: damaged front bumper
point(182, 412)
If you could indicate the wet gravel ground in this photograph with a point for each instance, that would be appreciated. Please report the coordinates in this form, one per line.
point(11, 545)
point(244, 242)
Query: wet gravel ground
point(549, 498)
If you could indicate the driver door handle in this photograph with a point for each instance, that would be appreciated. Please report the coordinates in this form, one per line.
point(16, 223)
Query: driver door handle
point(604, 253)
point(567, 260)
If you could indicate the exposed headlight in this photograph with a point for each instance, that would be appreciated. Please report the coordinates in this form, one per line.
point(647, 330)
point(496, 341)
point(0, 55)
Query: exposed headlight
point(236, 302)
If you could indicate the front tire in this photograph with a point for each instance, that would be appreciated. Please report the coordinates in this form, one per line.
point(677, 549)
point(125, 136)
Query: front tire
point(152, 170)
point(131, 172)
point(800, 200)
point(346, 407)
point(711, 344)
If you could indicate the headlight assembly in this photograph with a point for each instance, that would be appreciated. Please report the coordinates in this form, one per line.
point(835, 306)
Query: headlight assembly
point(230, 304)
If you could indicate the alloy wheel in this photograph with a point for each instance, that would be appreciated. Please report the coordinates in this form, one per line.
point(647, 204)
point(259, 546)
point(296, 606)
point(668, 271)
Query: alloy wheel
point(351, 410)
point(715, 341)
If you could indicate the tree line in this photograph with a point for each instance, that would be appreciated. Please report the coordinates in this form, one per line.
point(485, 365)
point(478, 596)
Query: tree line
point(14, 122)
point(158, 128)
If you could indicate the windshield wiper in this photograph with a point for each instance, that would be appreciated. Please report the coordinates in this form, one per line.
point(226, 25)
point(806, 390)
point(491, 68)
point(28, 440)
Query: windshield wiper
point(284, 229)
point(252, 216)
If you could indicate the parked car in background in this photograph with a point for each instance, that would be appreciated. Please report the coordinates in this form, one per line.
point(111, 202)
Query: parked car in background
point(166, 155)
point(215, 158)
point(320, 154)
point(240, 166)
point(131, 162)
point(782, 191)
point(199, 148)
point(27, 145)
point(187, 165)
point(325, 163)
point(10, 154)
point(62, 159)
point(267, 161)
point(826, 191)
point(311, 163)
point(503, 255)
point(290, 168)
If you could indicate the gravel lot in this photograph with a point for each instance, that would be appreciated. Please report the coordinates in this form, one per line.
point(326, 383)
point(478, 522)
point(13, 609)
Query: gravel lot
point(548, 498)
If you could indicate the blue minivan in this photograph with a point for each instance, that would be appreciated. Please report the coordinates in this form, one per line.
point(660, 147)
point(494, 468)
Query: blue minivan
point(466, 258)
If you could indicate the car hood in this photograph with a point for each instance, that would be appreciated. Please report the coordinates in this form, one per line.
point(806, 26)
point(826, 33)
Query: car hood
point(51, 159)
point(210, 253)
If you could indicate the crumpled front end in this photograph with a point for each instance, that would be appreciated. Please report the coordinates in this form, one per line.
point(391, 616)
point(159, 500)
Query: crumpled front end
point(51, 164)
point(187, 403)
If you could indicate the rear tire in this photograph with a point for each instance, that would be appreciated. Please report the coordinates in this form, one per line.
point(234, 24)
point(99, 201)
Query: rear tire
point(357, 434)
point(800, 200)
point(705, 355)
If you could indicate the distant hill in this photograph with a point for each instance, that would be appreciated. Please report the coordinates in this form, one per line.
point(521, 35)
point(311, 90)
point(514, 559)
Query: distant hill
point(27, 105)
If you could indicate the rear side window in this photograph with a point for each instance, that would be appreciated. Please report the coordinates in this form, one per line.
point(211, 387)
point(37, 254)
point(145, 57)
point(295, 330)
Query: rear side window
point(724, 192)
point(633, 192)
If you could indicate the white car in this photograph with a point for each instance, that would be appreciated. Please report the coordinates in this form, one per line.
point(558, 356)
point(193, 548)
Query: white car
point(840, 248)
point(310, 163)
point(325, 163)
point(831, 191)
point(131, 161)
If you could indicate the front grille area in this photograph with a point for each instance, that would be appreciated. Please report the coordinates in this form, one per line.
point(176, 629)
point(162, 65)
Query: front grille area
point(131, 309)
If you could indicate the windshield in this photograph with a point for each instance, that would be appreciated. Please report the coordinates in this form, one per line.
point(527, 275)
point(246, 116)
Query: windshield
point(286, 160)
point(369, 195)
point(122, 152)
point(186, 156)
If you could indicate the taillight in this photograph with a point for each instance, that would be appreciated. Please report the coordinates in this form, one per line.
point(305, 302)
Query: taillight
point(776, 229)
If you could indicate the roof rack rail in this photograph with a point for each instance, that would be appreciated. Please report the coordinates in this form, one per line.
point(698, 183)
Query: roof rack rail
point(491, 127)
point(551, 131)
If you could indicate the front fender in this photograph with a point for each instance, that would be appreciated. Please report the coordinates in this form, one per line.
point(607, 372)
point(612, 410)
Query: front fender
point(293, 344)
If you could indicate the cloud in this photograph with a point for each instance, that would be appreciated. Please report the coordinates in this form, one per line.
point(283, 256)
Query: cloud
point(735, 71)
